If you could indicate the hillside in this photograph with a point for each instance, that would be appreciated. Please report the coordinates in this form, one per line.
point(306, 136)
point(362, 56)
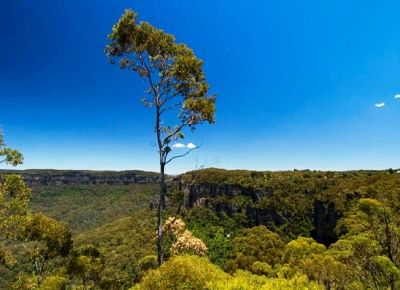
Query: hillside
point(228, 210)
point(292, 203)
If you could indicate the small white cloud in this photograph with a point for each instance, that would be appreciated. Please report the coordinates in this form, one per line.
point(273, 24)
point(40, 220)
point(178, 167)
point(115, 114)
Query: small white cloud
point(191, 146)
point(397, 96)
point(178, 145)
point(379, 105)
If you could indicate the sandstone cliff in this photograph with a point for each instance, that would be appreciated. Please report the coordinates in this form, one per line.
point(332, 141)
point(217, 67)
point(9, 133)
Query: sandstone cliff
point(83, 177)
point(322, 216)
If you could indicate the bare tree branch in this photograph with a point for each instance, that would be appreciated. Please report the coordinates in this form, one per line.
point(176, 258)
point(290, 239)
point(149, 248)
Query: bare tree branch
point(182, 155)
point(148, 74)
point(170, 97)
point(177, 105)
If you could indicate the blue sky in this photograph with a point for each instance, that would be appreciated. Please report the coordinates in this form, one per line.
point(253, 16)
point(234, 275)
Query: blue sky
point(297, 84)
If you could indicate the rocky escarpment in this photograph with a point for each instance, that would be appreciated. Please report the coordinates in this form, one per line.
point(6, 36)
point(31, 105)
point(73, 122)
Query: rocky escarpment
point(325, 219)
point(238, 200)
point(81, 177)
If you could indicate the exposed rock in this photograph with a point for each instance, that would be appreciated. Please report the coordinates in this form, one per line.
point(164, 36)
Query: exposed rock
point(205, 194)
point(194, 192)
point(325, 219)
point(218, 197)
point(80, 177)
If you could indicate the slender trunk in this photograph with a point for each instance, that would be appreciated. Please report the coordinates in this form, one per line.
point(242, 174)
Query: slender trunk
point(389, 241)
point(159, 236)
point(163, 187)
point(160, 209)
point(389, 237)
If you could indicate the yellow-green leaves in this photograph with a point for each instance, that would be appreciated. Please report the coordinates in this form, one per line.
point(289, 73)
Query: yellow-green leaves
point(86, 263)
point(8, 155)
point(191, 272)
point(256, 244)
point(14, 199)
point(182, 272)
point(173, 73)
point(55, 235)
point(302, 247)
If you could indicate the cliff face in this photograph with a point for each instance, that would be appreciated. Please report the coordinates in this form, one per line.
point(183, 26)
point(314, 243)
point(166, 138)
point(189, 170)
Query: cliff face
point(78, 177)
point(325, 219)
point(324, 216)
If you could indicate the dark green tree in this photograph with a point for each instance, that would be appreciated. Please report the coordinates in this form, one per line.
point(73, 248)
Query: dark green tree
point(177, 89)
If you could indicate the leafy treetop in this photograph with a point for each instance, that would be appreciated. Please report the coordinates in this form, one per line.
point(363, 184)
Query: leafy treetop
point(8, 155)
point(174, 74)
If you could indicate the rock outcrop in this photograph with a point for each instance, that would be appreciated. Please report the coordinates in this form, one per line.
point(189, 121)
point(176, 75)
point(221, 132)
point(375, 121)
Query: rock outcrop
point(325, 219)
point(323, 215)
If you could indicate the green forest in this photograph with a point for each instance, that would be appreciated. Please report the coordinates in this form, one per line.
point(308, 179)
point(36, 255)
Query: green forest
point(223, 230)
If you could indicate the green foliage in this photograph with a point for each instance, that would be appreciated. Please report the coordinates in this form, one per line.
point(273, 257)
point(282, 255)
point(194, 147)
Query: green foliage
point(86, 264)
point(288, 197)
point(326, 270)
point(55, 235)
point(295, 251)
point(261, 268)
point(25, 282)
point(181, 272)
point(256, 244)
point(32, 282)
point(85, 207)
point(8, 155)
point(190, 272)
point(216, 232)
point(385, 272)
point(240, 280)
point(14, 199)
point(123, 242)
point(54, 282)
point(145, 264)
point(243, 280)
point(121, 251)
point(371, 242)
point(171, 68)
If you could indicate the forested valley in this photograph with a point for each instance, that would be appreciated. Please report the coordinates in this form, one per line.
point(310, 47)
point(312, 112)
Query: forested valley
point(223, 230)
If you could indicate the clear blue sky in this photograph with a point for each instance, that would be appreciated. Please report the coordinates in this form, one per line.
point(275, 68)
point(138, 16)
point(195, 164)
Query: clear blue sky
point(297, 84)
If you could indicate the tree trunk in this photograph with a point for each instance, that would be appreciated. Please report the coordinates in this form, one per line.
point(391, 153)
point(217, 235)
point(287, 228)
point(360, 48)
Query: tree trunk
point(160, 209)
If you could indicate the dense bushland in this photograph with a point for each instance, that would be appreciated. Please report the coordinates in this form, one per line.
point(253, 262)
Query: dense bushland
point(114, 235)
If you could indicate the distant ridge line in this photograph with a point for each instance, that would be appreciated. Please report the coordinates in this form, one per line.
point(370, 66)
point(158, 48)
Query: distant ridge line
point(45, 177)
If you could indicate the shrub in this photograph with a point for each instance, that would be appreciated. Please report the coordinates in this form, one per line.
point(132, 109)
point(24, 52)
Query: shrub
point(182, 272)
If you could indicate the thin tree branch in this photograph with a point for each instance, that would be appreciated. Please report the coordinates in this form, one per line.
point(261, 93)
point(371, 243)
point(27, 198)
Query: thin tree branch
point(170, 97)
point(171, 107)
point(176, 131)
point(148, 74)
point(182, 155)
